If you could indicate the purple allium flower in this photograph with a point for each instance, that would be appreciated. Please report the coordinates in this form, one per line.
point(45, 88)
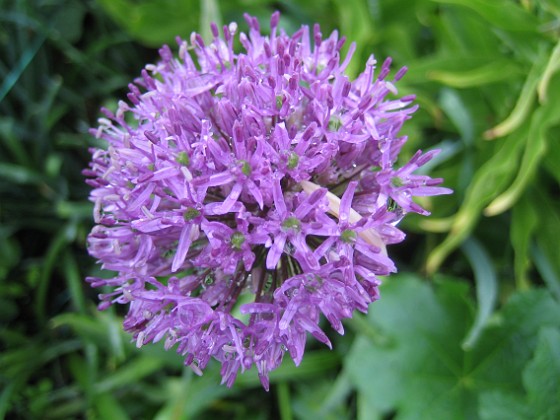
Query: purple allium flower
point(266, 174)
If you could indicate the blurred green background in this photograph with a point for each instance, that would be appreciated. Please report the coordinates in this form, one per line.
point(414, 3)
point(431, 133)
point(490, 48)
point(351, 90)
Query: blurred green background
point(469, 329)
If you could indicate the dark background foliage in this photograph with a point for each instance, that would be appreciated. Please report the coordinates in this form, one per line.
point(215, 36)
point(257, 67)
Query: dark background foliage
point(470, 328)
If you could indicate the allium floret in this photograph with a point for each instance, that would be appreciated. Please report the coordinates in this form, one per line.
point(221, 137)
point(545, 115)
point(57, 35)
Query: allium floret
point(266, 172)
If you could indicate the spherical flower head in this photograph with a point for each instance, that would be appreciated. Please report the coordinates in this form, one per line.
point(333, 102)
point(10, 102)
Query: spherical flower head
point(265, 176)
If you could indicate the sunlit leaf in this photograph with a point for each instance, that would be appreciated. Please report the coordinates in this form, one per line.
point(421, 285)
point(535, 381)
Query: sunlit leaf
point(504, 14)
point(542, 119)
point(155, 22)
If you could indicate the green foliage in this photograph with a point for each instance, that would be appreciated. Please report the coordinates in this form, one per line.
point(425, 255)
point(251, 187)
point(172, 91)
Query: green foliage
point(541, 379)
point(422, 369)
point(480, 340)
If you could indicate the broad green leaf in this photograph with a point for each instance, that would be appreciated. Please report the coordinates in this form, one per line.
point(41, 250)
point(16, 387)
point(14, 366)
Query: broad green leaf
point(426, 374)
point(542, 376)
point(486, 288)
point(155, 22)
point(541, 379)
point(499, 405)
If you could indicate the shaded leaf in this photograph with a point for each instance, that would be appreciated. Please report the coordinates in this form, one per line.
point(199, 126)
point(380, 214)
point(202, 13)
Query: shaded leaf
point(524, 222)
point(486, 289)
point(427, 374)
point(541, 379)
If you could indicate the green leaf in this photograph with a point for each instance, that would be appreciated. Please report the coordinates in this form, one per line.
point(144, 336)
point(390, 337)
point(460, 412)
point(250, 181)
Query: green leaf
point(524, 104)
point(541, 379)
point(20, 175)
point(489, 73)
point(458, 113)
point(546, 270)
point(542, 376)
point(551, 68)
point(104, 330)
point(426, 374)
point(133, 371)
point(284, 401)
point(547, 234)
point(488, 181)
point(355, 23)
point(108, 407)
point(498, 405)
point(486, 288)
point(524, 220)
point(68, 21)
point(504, 14)
point(155, 22)
point(542, 119)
